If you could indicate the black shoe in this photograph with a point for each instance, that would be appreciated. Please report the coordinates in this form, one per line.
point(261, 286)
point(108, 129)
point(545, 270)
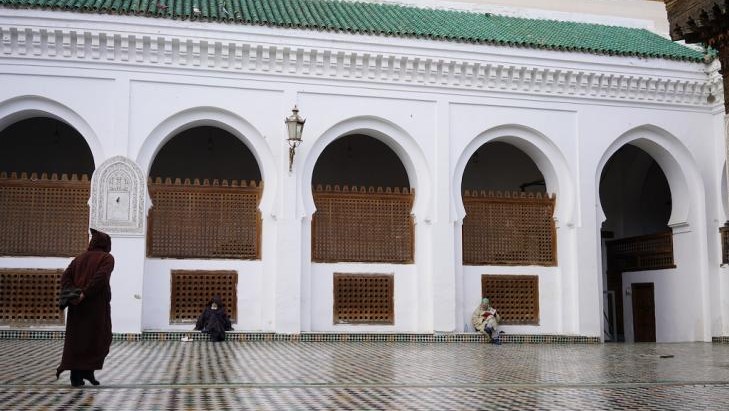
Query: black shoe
point(77, 378)
point(89, 376)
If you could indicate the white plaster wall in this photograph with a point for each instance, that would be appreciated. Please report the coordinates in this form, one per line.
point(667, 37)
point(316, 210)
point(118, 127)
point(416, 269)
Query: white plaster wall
point(405, 296)
point(550, 294)
point(677, 304)
point(157, 282)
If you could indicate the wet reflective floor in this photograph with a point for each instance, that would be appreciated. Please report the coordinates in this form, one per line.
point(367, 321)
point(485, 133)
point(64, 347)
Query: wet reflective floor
point(233, 375)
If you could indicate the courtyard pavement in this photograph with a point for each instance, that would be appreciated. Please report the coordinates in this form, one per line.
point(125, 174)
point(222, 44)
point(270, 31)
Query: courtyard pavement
point(234, 375)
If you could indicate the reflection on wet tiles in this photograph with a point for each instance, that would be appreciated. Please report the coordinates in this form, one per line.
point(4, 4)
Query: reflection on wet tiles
point(273, 375)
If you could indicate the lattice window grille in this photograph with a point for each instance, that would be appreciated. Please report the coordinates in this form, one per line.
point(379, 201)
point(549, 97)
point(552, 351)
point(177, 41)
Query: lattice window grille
point(30, 297)
point(509, 228)
point(208, 219)
point(515, 297)
point(646, 252)
point(191, 290)
point(364, 299)
point(359, 224)
point(42, 215)
point(724, 233)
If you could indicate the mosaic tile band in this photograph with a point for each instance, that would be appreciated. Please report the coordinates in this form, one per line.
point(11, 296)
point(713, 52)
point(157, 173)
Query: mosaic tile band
point(317, 337)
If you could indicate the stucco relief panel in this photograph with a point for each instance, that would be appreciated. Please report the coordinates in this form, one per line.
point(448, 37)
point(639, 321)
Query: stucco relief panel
point(117, 197)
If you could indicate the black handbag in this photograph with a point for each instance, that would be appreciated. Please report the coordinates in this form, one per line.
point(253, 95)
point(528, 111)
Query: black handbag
point(68, 295)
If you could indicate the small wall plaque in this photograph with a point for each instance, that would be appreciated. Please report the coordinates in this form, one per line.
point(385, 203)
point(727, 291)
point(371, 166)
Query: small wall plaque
point(117, 197)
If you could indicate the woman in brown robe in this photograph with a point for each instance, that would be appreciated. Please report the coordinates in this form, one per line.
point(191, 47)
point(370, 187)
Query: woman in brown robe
point(88, 324)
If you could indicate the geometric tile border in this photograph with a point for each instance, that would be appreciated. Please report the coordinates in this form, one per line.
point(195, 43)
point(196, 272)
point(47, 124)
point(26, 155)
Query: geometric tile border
point(720, 340)
point(316, 337)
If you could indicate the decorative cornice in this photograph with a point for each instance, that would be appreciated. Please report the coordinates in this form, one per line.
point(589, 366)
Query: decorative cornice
point(200, 54)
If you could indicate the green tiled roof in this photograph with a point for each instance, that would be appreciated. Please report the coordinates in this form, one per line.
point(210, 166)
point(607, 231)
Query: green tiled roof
point(392, 20)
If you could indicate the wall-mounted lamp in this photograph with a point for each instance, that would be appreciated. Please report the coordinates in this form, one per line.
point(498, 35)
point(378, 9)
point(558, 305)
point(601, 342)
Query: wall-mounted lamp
point(295, 126)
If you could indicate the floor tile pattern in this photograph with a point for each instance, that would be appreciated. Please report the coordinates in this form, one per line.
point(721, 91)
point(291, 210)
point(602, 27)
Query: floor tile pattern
point(275, 375)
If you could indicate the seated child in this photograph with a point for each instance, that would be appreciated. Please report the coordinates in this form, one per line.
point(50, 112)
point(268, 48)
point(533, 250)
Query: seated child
point(214, 320)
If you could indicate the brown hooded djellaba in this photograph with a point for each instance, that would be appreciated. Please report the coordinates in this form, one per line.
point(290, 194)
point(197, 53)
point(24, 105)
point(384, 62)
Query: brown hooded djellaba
point(88, 324)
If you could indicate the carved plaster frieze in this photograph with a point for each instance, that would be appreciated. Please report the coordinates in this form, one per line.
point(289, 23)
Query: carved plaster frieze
point(117, 197)
point(195, 53)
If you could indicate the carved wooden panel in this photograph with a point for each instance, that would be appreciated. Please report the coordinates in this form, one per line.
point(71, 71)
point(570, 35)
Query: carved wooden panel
point(30, 297)
point(646, 252)
point(364, 299)
point(724, 233)
point(509, 229)
point(42, 215)
point(696, 20)
point(362, 224)
point(191, 290)
point(204, 220)
point(515, 297)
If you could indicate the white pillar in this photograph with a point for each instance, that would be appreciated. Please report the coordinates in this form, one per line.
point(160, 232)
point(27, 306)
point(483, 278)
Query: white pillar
point(289, 238)
point(443, 257)
point(118, 208)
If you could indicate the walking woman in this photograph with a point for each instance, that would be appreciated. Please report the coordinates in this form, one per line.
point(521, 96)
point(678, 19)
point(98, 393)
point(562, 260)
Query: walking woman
point(86, 291)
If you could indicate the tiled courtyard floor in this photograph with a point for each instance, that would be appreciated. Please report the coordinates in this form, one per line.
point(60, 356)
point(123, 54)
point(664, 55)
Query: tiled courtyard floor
point(164, 375)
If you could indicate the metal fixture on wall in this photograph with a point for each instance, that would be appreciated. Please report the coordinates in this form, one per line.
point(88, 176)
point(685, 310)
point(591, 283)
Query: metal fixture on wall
point(295, 127)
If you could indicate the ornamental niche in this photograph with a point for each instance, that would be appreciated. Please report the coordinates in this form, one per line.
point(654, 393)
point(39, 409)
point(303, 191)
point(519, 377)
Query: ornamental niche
point(117, 197)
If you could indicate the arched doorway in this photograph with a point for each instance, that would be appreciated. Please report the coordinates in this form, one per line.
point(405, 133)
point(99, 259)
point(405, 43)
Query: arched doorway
point(205, 185)
point(363, 205)
point(45, 169)
point(636, 200)
point(508, 222)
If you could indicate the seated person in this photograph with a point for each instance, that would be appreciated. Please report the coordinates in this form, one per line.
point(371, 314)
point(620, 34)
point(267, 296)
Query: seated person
point(485, 319)
point(214, 320)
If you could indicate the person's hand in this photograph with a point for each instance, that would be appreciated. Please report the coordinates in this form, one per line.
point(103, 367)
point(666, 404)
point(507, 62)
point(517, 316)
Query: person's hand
point(78, 300)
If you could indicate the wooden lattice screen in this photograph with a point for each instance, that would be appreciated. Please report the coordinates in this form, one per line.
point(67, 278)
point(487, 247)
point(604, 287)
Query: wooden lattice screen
point(204, 220)
point(362, 224)
point(504, 228)
point(43, 215)
point(191, 290)
point(364, 299)
point(646, 252)
point(515, 297)
point(30, 297)
point(724, 232)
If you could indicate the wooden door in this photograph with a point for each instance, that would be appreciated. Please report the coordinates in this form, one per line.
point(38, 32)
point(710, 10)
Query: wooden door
point(644, 312)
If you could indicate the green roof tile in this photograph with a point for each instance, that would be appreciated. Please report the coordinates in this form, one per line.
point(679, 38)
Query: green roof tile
point(396, 21)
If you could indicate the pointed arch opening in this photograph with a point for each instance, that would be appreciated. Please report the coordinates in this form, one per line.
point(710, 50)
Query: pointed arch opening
point(636, 200)
point(363, 203)
point(509, 214)
point(205, 185)
point(45, 169)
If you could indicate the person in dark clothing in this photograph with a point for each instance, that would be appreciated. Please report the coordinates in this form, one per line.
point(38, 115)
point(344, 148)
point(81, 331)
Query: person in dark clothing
point(214, 320)
point(88, 324)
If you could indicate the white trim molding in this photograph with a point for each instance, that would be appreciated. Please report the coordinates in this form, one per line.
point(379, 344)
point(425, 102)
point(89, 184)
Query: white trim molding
point(178, 51)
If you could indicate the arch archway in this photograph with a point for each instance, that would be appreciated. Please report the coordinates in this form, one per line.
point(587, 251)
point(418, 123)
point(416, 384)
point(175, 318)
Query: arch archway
point(45, 167)
point(25, 107)
point(229, 122)
point(535, 164)
point(663, 190)
point(398, 140)
point(205, 186)
point(364, 202)
point(546, 156)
